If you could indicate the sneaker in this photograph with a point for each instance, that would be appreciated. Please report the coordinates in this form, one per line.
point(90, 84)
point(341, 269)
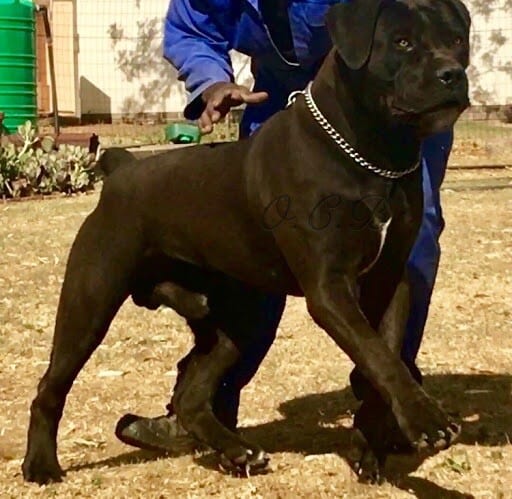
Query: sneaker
point(162, 433)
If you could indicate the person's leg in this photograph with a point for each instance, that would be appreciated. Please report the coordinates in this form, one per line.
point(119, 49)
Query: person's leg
point(424, 259)
point(262, 326)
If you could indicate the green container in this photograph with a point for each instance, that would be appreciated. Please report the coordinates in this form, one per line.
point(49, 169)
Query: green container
point(18, 84)
point(182, 133)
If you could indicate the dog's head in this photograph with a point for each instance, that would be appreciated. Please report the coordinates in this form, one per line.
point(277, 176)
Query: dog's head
point(408, 58)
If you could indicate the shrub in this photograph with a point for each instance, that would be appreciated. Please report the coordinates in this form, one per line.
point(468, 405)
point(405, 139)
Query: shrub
point(37, 167)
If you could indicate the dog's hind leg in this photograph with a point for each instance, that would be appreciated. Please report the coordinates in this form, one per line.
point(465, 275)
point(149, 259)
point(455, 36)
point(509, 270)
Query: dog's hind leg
point(95, 285)
point(221, 339)
point(192, 401)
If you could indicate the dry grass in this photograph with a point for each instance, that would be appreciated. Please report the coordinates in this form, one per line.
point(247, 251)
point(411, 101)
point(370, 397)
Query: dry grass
point(298, 407)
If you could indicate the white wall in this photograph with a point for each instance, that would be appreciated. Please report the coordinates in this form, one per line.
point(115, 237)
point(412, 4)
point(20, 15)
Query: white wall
point(104, 87)
point(486, 59)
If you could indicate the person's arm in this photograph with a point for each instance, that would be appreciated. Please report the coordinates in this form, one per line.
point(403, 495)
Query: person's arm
point(194, 44)
point(200, 53)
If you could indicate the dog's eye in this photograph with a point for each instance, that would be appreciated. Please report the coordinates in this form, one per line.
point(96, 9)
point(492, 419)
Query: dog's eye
point(403, 43)
point(458, 40)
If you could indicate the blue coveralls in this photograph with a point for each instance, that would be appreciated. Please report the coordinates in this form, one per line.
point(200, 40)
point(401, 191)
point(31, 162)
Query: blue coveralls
point(198, 37)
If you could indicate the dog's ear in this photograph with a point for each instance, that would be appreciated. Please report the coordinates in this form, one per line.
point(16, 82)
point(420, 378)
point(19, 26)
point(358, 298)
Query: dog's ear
point(462, 11)
point(351, 26)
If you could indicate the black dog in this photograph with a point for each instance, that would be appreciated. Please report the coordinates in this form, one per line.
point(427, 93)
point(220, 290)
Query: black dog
point(285, 211)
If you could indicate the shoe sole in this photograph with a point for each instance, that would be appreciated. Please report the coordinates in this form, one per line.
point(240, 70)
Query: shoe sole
point(140, 435)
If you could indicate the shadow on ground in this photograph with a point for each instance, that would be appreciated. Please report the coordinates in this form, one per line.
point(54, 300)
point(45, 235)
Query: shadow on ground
point(310, 425)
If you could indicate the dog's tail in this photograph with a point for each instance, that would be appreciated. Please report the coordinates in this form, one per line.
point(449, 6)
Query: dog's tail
point(113, 158)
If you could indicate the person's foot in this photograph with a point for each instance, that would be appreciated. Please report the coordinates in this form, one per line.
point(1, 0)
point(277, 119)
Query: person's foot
point(162, 433)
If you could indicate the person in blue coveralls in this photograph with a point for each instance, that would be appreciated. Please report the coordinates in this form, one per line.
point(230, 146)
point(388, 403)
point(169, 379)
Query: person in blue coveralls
point(287, 41)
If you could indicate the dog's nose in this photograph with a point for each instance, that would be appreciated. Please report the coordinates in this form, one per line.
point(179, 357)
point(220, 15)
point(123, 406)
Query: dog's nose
point(450, 75)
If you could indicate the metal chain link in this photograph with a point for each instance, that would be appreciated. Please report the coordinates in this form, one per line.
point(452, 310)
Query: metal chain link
point(340, 141)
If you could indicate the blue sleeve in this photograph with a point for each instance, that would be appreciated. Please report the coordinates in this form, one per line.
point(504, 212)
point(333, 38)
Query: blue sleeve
point(198, 50)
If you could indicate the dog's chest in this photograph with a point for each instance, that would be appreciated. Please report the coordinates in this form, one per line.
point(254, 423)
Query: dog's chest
point(392, 222)
point(379, 228)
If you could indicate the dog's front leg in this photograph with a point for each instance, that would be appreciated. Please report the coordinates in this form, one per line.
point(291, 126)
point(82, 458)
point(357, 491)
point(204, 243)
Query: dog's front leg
point(333, 304)
point(374, 418)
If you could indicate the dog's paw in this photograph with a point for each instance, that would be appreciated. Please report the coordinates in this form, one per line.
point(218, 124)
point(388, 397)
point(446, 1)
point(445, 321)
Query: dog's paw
point(244, 461)
point(371, 437)
point(369, 468)
point(426, 425)
point(377, 423)
point(41, 469)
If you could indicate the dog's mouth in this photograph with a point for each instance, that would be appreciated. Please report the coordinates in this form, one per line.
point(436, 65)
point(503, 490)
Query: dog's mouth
point(409, 114)
point(431, 119)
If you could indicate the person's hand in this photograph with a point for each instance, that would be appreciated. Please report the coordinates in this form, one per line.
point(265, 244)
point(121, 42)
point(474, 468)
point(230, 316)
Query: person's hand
point(220, 98)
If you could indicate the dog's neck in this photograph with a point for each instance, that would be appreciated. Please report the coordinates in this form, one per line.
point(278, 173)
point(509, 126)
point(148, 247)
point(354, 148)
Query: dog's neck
point(390, 147)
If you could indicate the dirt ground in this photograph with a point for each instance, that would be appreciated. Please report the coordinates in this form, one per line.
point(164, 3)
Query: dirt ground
point(298, 407)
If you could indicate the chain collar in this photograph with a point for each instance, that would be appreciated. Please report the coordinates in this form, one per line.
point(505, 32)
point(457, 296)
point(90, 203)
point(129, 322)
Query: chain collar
point(340, 141)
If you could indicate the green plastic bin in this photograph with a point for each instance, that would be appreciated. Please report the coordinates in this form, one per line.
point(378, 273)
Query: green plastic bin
point(18, 84)
point(182, 133)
